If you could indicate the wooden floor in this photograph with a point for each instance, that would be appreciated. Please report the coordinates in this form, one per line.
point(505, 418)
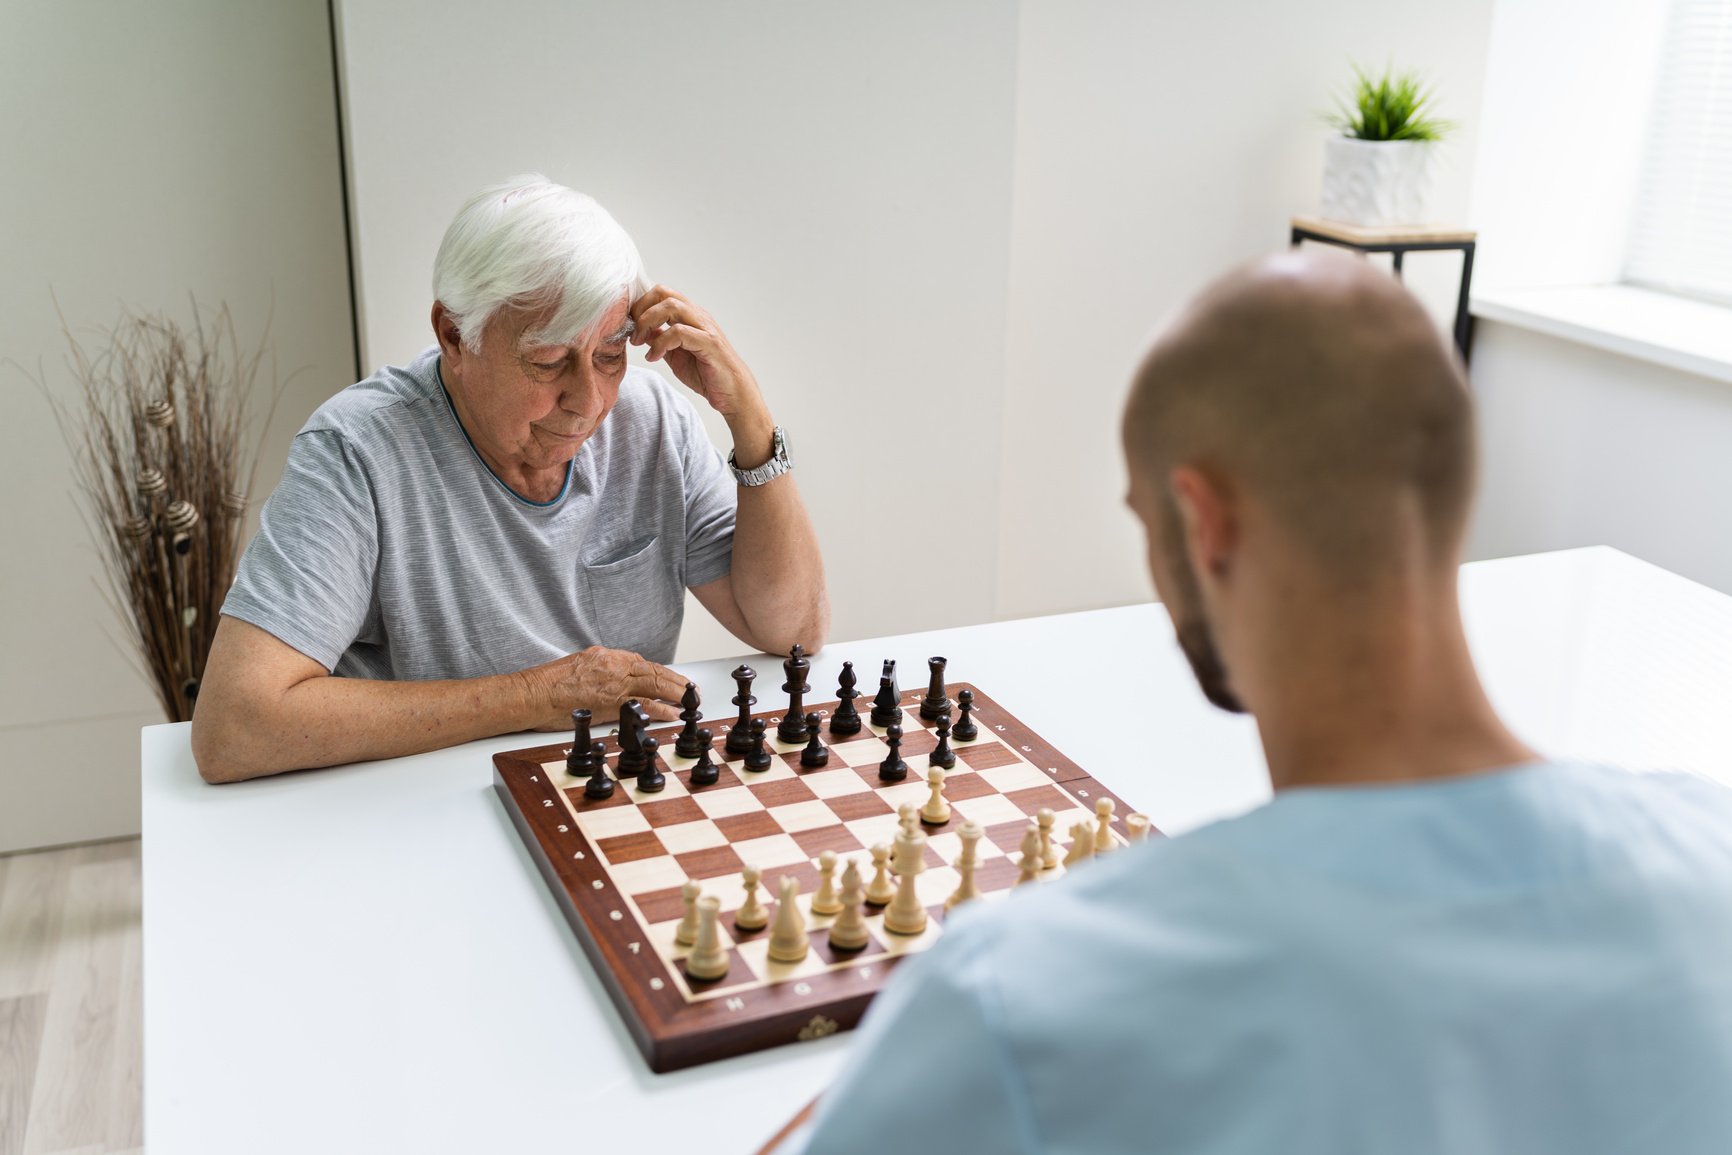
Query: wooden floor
point(71, 1001)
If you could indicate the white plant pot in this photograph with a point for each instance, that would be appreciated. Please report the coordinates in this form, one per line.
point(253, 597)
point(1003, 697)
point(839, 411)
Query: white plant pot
point(1376, 182)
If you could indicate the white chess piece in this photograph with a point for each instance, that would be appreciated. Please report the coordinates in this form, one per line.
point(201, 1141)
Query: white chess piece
point(1104, 825)
point(908, 817)
point(966, 889)
point(848, 932)
point(937, 810)
point(905, 914)
point(708, 960)
point(1028, 866)
point(881, 890)
point(687, 932)
point(825, 901)
point(788, 943)
point(1048, 852)
point(751, 915)
point(1137, 825)
point(1082, 844)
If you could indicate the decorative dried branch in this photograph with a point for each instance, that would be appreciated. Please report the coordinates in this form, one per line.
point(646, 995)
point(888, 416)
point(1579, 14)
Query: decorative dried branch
point(159, 462)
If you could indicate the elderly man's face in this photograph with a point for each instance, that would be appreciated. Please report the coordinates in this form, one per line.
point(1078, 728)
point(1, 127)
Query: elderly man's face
point(528, 406)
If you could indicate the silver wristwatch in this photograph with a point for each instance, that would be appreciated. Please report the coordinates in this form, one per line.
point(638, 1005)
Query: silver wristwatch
point(778, 464)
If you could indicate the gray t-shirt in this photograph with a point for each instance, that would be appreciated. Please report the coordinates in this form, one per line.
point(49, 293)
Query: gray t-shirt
point(390, 550)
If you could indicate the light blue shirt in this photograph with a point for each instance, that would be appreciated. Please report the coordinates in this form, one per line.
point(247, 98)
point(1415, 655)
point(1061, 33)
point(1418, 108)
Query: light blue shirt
point(1533, 960)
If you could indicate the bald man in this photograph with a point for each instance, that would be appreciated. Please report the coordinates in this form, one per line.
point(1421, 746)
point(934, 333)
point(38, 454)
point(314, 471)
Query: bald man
point(1432, 939)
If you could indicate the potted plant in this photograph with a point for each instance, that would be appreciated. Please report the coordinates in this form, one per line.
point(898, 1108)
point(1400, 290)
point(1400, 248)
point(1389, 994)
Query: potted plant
point(1377, 165)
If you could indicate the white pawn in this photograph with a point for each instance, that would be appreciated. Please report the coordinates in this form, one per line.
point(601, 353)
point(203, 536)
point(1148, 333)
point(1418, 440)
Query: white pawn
point(708, 960)
point(1137, 825)
point(687, 932)
point(825, 901)
point(1082, 844)
point(788, 943)
point(1028, 866)
point(848, 932)
point(880, 890)
point(966, 889)
point(1104, 825)
point(937, 810)
point(905, 914)
point(908, 817)
point(1048, 852)
point(751, 915)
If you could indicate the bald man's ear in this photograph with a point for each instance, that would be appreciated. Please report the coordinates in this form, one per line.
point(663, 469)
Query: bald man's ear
point(1206, 511)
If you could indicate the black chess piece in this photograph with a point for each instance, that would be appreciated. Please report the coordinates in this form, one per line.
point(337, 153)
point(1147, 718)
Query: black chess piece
point(706, 772)
point(577, 762)
point(793, 727)
point(846, 720)
point(965, 730)
point(935, 703)
point(740, 737)
point(686, 745)
point(599, 784)
point(650, 779)
point(758, 758)
point(893, 768)
point(887, 706)
point(814, 755)
point(942, 755)
point(633, 721)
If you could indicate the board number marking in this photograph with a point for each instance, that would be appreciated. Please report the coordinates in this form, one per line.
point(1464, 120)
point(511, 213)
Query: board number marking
point(736, 1004)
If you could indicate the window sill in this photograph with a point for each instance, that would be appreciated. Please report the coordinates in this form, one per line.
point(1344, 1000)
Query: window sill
point(1677, 332)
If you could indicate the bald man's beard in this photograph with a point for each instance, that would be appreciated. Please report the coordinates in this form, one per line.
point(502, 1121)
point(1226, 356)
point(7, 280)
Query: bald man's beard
point(1191, 622)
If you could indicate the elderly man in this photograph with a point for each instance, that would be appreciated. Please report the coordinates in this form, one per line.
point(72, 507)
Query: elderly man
point(1432, 939)
point(503, 530)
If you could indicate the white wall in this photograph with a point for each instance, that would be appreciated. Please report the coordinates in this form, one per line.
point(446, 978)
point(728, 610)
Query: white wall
point(939, 232)
point(150, 151)
point(1584, 447)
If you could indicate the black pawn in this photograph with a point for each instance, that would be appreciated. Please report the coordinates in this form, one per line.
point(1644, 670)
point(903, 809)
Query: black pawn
point(577, 762)
point(758, 758)
point(740, 737)
point(793, 727)
point(705, 772)
point(686, 745)
point(650, 779)
point(814, 755)
point(935, 704)
point(942, 754)
point(893, 768)
point(965, 730)
point(846, 720)
point(599, 784)
point(887, 706)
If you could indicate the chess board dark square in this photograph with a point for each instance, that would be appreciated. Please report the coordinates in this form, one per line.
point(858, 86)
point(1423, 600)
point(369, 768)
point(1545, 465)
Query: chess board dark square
point(997, 872)
point(820, 943)
point(661, 905)
point(959, 786)
point(711, 862)
point(792, 761)
point(632, 847)
point(581, 804)
point(920, 741)
point(725, 777)
point(670, 811)
point(782, 792)
point(753, 824)
point(837, 838)
point(1031, 800)
point(1007, 836)
point(738, 973)
point(986, 755)
point(853, 807)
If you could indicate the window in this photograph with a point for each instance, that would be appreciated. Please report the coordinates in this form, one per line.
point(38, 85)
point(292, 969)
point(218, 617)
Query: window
point(1681, 235)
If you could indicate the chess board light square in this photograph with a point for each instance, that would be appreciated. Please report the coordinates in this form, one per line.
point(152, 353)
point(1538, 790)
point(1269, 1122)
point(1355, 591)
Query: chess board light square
point(861, 750)
point(835, 783)
point(878, 828)
point(766, 853)
point(1017, 776)
point(756, 953)
point(777, 771)
point(989, 810)
point(647, 874)
point(685, 836)
point(804, 816)
point(612, 822)
point(725, 803)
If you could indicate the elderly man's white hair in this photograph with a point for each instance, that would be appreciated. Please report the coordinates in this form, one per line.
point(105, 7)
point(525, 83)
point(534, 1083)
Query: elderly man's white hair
point(531, 244)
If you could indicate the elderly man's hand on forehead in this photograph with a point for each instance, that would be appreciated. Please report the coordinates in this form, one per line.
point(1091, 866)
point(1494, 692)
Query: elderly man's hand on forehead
point(674, 330)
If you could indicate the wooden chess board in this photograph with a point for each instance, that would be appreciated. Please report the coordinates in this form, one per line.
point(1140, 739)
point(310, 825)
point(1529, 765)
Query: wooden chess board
point(616, 865)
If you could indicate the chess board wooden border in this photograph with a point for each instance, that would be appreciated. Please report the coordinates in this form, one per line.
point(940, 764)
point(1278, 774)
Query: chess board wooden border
point(673, 1026)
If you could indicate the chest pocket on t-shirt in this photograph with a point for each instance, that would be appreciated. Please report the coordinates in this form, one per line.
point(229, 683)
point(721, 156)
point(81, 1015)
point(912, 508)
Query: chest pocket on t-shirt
point(636, 602)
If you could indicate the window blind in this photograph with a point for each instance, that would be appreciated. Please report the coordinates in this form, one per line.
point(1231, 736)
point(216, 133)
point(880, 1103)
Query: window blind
point(1681, 237)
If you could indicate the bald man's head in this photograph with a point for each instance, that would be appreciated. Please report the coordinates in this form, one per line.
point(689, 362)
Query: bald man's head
point(1321, 388)
point(1314, 395)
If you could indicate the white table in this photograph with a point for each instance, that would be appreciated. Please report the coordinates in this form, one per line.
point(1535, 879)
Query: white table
point(365, 958)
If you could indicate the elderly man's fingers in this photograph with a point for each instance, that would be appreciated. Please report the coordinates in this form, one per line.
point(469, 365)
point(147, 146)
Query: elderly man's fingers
point(659, 711)
point(677, 337)
point(668, 311)
point(658, 681)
